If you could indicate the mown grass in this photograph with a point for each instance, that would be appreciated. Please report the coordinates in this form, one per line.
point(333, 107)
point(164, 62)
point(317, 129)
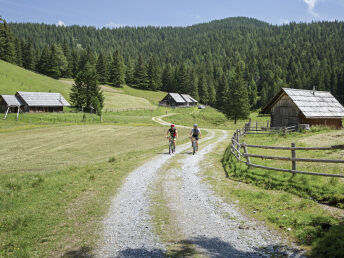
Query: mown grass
point(55, 191)
point(319, 229)
point(324, 190)
point(14, 78)
point(49, 148)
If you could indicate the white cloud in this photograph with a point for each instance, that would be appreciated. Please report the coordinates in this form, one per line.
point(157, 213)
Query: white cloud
point(113, 25)
point(311, 4)
point(60, 23)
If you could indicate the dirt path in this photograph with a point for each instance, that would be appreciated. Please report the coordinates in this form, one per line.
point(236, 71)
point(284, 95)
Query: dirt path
point(215, 228)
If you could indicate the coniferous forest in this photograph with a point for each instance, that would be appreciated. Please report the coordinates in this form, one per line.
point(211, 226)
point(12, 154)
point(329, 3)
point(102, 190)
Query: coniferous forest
point(217, 62)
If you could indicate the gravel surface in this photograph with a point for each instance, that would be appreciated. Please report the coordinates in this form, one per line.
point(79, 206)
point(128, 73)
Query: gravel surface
point(127, 228)
point(216, 228)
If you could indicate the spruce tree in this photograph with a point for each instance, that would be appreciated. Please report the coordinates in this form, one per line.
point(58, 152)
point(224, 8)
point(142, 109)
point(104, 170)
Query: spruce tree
point(54, 68)
point(28, 58)
point(253, 93)
point(182, 79)
point(193, 85)
point(7, 48)
point(43, 64)
point(102, 69)
point(153, 74)
point(237, 104)
point(117, 70)
point(203, 90)
point(86, 88)
point(140, 74)
point(129, 73)
point(167, 79)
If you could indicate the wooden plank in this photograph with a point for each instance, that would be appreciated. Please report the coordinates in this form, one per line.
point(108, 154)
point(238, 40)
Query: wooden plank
point(296, 171)
point(289, 148)
point(295, 159)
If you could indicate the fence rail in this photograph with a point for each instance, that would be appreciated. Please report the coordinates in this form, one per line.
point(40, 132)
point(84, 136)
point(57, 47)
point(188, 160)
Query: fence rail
point(245, 157)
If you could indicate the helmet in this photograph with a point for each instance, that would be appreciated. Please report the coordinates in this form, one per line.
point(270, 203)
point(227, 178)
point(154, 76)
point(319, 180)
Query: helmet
point(195, 125)
point(172, 125)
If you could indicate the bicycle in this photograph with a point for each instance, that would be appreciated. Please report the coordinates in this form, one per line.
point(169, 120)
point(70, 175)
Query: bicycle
point(194, 146)
point(171, 147)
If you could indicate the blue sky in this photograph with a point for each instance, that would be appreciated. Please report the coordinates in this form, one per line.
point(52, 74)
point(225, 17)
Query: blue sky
point(114, 13)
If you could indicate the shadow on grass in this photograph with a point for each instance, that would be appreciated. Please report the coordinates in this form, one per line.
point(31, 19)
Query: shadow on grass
point(83, 251)
point(212, 247)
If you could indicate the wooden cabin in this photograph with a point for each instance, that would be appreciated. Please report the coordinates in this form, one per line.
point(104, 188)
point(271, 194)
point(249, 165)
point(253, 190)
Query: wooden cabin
point(178, 100)
point(33, 102)
point(291, 107)
point(10, 103)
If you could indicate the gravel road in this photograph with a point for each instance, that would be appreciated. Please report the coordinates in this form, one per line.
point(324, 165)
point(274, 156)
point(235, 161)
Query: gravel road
point(216, 228)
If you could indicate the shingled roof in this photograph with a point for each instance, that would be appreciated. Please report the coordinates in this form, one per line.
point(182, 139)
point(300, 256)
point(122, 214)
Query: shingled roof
point(43, 99)
point(312, 104)
point(177, 98)
point(188, 98)
point(11, 100)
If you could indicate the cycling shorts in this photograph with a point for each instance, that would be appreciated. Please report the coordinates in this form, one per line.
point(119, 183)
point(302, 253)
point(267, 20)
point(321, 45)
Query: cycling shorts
point(195, 137)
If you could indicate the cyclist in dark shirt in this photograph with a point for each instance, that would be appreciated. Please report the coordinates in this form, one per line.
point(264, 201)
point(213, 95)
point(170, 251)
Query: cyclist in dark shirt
point(195, 134)
point(172, 133)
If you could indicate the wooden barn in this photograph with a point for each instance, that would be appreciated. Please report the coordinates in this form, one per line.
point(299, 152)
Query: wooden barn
point(291, 107)
point(178, 100)
point(33, 102)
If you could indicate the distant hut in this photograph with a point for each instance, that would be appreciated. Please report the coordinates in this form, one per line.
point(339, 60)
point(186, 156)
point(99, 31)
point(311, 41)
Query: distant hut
point(178, 100)
point(291, 107)
point(189, 100)
point(33, 102)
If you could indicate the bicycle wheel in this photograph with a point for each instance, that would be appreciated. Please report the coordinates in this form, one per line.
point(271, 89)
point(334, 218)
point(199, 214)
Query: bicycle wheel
point(169, 148)
point(193, 148)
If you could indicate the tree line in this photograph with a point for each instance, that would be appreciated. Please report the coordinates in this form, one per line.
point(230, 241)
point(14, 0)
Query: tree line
point(202, 60)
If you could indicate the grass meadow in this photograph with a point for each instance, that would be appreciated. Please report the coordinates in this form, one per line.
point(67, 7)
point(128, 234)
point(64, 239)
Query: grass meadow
point(300, 206)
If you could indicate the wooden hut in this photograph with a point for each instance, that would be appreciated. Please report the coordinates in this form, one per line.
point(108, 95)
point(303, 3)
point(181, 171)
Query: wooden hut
point(190, 101)
point(173, 100)
point(9, 103)
point(33, 102)
point(42, 101)
point(291, 107)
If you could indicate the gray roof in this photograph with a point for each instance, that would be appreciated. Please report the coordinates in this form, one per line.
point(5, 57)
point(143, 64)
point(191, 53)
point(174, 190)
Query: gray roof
point(11, 100)
point(43, 99)
point(188, 98)
point(321, 104)
point(177, 98)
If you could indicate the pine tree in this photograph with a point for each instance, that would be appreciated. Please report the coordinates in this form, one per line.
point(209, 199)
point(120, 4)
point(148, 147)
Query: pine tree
point(182, 79)
point(7, 48)
point(153, 74)
point(193, 85)
point(140, 74)
point(86, 88)
point(73, 64)
point(237, 102)
point(117, 70)
point(212, 93)
point(253, 93)
point(203, 90)
point(129, 73)
point(222, 91)
point(102, 69)
point(54, 68)
point(43, 64)
point(28, 59)
point(167, 79)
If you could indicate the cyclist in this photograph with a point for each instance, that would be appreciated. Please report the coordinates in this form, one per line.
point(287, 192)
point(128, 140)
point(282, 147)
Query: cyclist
point(195, 134)
point(172, 133)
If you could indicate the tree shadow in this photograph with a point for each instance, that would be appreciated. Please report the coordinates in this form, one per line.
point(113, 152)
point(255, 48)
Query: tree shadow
point(212, 247)
point(84, 251)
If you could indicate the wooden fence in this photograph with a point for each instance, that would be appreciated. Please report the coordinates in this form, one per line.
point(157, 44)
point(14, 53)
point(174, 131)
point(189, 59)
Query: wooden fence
point(245, 157)
point(127, 109)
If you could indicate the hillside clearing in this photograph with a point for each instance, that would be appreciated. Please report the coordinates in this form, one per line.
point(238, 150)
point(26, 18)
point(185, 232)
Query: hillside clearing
point(14, 78)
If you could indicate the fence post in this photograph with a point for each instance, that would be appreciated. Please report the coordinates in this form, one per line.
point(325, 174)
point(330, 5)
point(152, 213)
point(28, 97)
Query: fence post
point(238, 139)
point(293, 156)
point(248, 163)
point(256, 126)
